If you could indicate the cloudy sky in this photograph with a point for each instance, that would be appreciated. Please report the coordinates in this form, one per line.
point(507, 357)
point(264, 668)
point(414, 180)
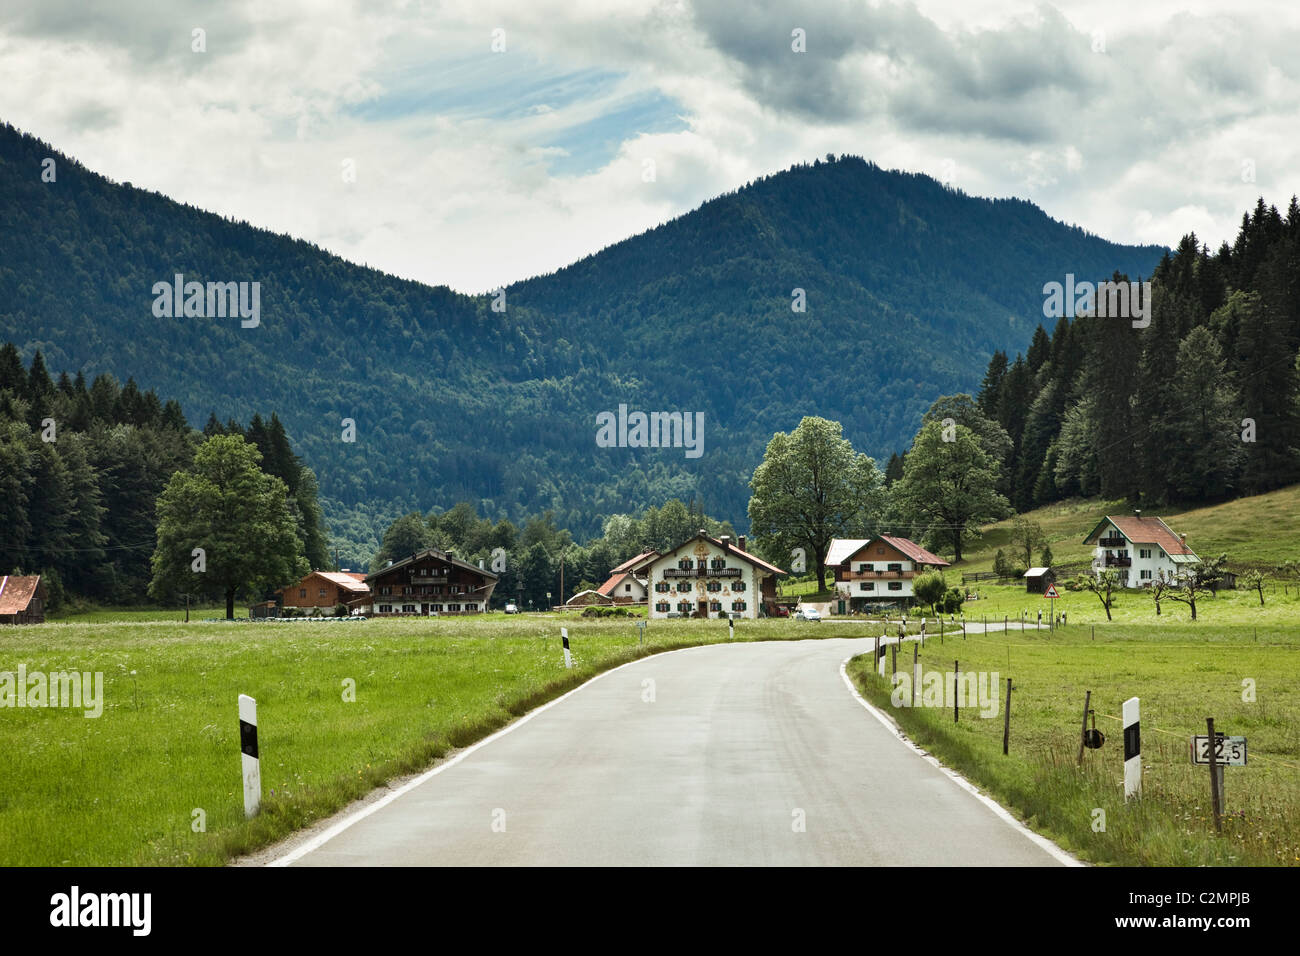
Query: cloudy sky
point(397, 136)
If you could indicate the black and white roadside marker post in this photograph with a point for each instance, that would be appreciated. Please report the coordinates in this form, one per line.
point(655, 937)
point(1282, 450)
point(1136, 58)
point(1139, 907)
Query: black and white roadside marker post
point(249, 756)
point(1132, 749)
point(568, 658)
point(731, 627)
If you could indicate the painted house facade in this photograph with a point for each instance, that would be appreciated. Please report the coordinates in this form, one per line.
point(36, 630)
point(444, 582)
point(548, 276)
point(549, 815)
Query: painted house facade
point(1141, 549)
point(878, 570)
point(22, 599)
point(429, 582)
point(709, 577)
point(324, 591)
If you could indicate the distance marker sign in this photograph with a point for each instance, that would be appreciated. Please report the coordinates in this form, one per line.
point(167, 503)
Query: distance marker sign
point(1228, 752)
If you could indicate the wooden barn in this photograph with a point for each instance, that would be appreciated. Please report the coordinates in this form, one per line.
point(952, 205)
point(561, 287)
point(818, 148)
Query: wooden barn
point(22, 599)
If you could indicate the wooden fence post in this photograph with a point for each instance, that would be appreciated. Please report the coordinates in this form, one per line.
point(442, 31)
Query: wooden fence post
point(1215, 770)
point(1006, 720)
point(1083, 734)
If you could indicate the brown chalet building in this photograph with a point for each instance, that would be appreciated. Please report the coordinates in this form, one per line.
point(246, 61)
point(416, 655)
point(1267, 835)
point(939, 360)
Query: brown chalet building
point(430, 582)
point(325, 590)
point(22, 599)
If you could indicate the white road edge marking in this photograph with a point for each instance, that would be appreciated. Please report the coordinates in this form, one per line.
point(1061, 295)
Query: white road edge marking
point(1051, 848)
point(316, 842)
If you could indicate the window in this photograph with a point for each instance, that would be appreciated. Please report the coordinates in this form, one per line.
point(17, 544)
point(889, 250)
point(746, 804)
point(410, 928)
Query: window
point(895, 567)
point(715, 606)
point(895, 585)
point(435, 608)
point(738, 586)
point(453, 607)
point(868, 585)
point(662, 607)
point(386, 590)
point(686, 564)
point(322, 592)
point(1144, 575)
point(1144, 552)
point(864, 568)
point(738, 605)
point(683, 587)
point(880, 550)
point(302, 592)
point(385, 609)
point(471, 607)
point(662, 587)
point(407, 589)
point(714, 586)
point(684, 606)
point(408, 608)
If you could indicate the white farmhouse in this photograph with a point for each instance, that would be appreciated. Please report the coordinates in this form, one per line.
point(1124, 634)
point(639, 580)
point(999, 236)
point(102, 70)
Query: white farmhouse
point(709, 577)
point(1140, 549)
point(880, 569)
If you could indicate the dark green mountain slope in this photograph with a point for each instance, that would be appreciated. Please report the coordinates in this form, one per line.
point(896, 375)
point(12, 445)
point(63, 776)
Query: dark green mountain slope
point(910, 288)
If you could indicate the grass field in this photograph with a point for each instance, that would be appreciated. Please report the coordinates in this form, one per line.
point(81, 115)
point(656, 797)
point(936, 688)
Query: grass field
point(1260, 531)
point(1182, 673)
point(122, 788)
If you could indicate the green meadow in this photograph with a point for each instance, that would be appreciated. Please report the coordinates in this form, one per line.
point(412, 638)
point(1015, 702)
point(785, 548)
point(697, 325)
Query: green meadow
point(1181, 673)
point(133, 785)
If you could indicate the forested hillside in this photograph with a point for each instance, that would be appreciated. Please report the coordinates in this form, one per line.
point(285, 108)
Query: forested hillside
point(909, 287)
point(81, 467)
point(1201, 405)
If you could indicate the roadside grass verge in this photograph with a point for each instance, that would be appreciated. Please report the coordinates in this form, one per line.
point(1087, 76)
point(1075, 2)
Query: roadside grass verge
point(1180, 677)
point(131, 787)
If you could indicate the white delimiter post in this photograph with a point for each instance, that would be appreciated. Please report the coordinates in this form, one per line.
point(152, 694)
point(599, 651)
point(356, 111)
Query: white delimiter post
point(248, 748)
point(1132, 750)
point(568, 659)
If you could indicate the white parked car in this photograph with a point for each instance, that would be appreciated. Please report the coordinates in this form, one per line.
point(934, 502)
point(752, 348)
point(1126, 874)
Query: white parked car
point(807, 614)
point(512, 609)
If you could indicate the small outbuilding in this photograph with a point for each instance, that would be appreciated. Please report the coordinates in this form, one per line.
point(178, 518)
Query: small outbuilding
point(22, 599)
point(1037, 579)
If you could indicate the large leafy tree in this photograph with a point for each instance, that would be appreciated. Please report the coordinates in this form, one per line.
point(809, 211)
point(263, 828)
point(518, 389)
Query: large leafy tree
point(237, 514)
point(812, 487)
point(949, 486)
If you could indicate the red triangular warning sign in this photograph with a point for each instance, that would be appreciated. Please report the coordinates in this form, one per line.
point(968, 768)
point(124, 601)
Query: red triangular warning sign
point(1051, 592)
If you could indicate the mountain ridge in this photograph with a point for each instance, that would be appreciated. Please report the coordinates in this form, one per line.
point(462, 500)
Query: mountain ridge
point(906, 290)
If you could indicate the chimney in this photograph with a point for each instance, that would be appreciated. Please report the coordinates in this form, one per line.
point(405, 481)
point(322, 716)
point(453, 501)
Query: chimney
point(742, 543)
point(1184, 539)
point(704, 532)
point(726, 542)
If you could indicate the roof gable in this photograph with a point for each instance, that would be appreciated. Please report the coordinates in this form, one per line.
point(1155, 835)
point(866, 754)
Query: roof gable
point(726, 548)
point(436, 555)
point(17, 591)
point(1140, 530)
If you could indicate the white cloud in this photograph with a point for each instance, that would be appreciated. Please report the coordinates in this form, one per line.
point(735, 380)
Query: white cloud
point(474, 168)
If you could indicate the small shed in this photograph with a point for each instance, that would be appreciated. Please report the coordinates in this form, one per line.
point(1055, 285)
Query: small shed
point(22, 599)
point(1037, 579)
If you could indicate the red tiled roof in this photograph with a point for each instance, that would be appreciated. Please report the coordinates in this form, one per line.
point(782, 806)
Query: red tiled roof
point(1145, 531)
point(610, 584)
point(914, 551)
point(633, 562)
point(17, 592)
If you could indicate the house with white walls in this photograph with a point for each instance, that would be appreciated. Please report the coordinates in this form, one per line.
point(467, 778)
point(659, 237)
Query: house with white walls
point(709, 577)
point(1140, 549)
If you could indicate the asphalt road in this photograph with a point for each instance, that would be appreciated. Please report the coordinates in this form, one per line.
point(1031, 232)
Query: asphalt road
point(748, 754)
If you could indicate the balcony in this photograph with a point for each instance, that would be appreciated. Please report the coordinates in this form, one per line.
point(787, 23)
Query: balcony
point(876, 575)
point(1114, 541)
point(702, 572)
point(437, 579)
point(1113, 562)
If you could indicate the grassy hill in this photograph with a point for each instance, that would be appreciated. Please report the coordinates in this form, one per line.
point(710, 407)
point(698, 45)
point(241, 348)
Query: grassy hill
point(1259, 531)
